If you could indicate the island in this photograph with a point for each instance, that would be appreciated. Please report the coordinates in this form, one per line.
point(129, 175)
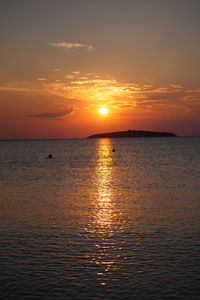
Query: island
point(131, 134)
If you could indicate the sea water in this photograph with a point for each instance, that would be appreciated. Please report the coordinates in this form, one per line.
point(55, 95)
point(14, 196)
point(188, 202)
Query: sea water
point(91, 223)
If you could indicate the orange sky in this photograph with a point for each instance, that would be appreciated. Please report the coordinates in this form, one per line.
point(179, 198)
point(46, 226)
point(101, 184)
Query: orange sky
point(59, 66)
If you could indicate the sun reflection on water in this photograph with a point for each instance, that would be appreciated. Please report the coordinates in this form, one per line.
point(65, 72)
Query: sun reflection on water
point(104, 205)
point(105, 216)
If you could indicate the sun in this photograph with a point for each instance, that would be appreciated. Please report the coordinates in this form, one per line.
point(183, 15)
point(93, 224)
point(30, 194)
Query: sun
point(103, 111)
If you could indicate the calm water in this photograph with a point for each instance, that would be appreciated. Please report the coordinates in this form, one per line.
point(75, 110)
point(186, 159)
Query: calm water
point(95, 224)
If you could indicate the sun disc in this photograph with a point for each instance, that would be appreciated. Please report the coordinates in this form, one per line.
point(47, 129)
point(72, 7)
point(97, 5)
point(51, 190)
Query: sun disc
point(103, 111)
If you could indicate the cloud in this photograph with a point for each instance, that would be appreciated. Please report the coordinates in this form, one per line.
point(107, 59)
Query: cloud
point(41, 79)
point(90, 90)
point(12, 88)
point(53, 115)
point(68, 46)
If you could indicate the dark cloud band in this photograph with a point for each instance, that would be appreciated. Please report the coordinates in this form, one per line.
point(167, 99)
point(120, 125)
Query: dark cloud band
point(54, 114)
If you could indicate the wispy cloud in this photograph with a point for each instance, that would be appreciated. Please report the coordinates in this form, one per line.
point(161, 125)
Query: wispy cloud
point(68, 46)
point(58, 114)
point(20, 89)
point(89, 91)
point(41, 79)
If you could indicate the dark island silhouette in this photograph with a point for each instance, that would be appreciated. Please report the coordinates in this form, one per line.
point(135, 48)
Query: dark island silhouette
point(131, 134)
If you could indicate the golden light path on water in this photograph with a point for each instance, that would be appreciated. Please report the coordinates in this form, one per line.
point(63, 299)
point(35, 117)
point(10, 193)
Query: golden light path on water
point(103, 174)
point(105, 216)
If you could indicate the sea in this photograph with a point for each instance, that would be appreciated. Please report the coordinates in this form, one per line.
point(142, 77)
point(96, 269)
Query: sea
point(101, 219)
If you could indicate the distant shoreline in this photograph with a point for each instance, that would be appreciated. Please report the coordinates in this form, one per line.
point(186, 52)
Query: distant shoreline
point(132, 134)
point(81, 138)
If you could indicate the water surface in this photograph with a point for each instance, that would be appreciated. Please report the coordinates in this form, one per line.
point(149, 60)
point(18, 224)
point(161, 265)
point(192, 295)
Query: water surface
point(95, 224)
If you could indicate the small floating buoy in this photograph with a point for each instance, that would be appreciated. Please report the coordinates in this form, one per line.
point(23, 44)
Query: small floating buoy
point(113, 150)
point(50, 156)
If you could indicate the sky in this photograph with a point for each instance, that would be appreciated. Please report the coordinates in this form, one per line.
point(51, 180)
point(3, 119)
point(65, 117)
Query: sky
point(63, 60)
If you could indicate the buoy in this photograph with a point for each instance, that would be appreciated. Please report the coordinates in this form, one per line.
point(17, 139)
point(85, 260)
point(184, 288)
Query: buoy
point(113, 150)
point(50, 156)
